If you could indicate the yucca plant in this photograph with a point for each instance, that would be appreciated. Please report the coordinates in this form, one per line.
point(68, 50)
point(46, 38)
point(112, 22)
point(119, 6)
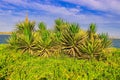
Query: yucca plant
point(23, 37)
point(26, 41)
point(106, 42)
point(26, 24)
point(45, 41)
point(71, 40)
point(42, 26)
point(92, 45)
point(60, 25)
point(95, 43)
point(13, 39)
point(45, 44)
point(92, 31)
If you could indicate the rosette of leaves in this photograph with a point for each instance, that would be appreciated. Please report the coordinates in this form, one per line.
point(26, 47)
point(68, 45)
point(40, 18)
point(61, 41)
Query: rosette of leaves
point(45, 44)
point(23, 37)
point(26, 42)
point(13, 40)
point(94, 44)
point(25, 24)
point(106, 42)
point(60, 25)
point(71, 40)
point(45, 41)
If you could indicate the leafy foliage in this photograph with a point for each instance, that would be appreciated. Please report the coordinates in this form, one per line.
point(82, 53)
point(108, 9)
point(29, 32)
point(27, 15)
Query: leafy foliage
point(42, 26)
point(20, 27)
point(24, 66)
point(45, 44)
point(71, 40)
point(13, 40)
point(60, 25)
point(94, 43)
point(23, 37)
point(106, 42)
point(26, 41)
point(65, 37)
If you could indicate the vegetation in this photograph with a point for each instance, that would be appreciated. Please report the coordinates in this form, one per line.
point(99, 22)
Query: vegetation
point(71, 40)
point(17, 66)
point(74, 54)
point(95, 43)
point(66, 38)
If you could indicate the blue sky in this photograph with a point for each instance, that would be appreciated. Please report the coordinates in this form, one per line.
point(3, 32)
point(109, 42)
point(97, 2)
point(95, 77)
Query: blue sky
point(105, 13)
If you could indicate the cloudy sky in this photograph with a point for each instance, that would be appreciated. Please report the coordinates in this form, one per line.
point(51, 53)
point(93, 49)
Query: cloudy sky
point(105, 13)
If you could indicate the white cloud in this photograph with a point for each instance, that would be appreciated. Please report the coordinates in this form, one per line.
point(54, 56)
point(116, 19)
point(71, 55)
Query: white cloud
point(53, 9)
point(3, 12)
point(103, 5)
point(70, 14)
point(44, 7)
point(14, 1)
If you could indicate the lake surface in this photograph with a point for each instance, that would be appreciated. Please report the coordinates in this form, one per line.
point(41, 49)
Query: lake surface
point(3, 38)
point(115, 42)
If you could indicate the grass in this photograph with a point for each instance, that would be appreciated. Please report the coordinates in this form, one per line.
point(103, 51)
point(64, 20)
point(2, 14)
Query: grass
point(17, 66)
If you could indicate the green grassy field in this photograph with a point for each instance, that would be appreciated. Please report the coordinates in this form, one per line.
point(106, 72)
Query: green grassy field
point(17, 66)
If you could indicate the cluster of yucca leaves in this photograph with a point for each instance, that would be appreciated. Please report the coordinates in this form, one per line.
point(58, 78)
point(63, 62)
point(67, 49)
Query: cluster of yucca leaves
point(23, 37)
point(94, 43)
point(65, 38)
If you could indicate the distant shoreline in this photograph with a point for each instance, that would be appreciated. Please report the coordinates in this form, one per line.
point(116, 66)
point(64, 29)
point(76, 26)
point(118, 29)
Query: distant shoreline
point(114, 38)
point(9, 33)
point(5, 33)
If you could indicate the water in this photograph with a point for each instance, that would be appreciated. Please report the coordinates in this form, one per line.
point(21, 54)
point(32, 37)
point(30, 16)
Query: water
point(3, 38)
point(115, 42)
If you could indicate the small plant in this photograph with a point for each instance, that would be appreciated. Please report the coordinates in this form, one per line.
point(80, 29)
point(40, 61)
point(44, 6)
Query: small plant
point(60, 25)
point(71, 41)
point(13, 40)
point(94, 43)
point(45, 44)
point(45, 41)
point(106, 42)
point(23, 37)
point(26, 42)
point(20, 27)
